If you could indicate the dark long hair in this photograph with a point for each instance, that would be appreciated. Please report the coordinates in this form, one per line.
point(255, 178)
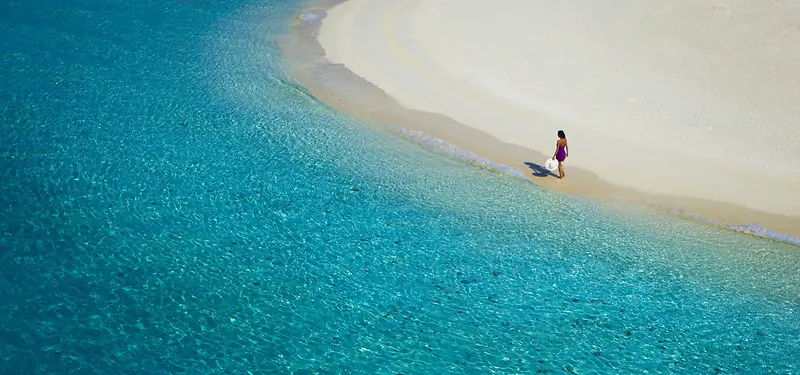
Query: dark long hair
point(561, 134)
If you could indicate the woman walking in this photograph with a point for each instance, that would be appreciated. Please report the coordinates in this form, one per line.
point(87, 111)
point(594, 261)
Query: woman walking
point(562, 152)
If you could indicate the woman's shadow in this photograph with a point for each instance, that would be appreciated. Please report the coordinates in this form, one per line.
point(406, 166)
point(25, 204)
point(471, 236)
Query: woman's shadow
point(540, 171)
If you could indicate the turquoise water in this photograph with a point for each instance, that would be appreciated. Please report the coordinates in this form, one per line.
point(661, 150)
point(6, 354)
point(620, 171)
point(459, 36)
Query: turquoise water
point(171, 203)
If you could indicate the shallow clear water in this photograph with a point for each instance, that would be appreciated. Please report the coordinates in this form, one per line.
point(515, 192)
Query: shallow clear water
point(171, 203)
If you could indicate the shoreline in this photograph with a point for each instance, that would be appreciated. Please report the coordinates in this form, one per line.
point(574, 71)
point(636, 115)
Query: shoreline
point(336, 86)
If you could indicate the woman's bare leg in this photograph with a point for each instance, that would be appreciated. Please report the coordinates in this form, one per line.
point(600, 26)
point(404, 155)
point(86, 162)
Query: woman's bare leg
point(560, 170)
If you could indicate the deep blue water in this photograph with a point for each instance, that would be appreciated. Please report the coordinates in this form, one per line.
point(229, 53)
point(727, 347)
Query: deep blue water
point(171, 203)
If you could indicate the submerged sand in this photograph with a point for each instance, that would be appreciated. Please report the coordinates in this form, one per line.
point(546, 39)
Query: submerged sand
point(689, 106)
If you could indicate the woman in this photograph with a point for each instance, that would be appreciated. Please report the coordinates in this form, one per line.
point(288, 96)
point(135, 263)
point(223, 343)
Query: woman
point(562, 152)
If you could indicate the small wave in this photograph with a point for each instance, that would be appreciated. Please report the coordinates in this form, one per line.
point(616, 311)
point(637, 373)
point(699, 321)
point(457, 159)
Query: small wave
point(312, 19)
point(752, 229)
point(313, 15)
point(437, 145)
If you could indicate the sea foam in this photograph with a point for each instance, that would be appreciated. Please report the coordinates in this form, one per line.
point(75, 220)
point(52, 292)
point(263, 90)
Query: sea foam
point(440, 146)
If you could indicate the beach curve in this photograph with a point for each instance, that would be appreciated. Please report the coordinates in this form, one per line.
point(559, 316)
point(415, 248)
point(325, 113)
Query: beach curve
point(410, 73)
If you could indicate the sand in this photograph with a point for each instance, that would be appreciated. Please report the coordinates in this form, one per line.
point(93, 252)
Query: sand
point(687, 105)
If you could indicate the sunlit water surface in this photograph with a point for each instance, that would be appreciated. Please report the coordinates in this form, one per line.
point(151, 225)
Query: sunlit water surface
point(171, 203)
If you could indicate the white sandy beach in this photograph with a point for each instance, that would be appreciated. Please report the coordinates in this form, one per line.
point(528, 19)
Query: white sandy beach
point(697, 99)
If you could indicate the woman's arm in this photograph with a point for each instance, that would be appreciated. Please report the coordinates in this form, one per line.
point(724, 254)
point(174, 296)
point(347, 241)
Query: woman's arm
point(556, 152)
point(566, 147)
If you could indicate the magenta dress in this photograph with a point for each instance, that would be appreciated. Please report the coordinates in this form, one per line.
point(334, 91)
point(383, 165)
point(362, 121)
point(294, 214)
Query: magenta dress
point(561, 154)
